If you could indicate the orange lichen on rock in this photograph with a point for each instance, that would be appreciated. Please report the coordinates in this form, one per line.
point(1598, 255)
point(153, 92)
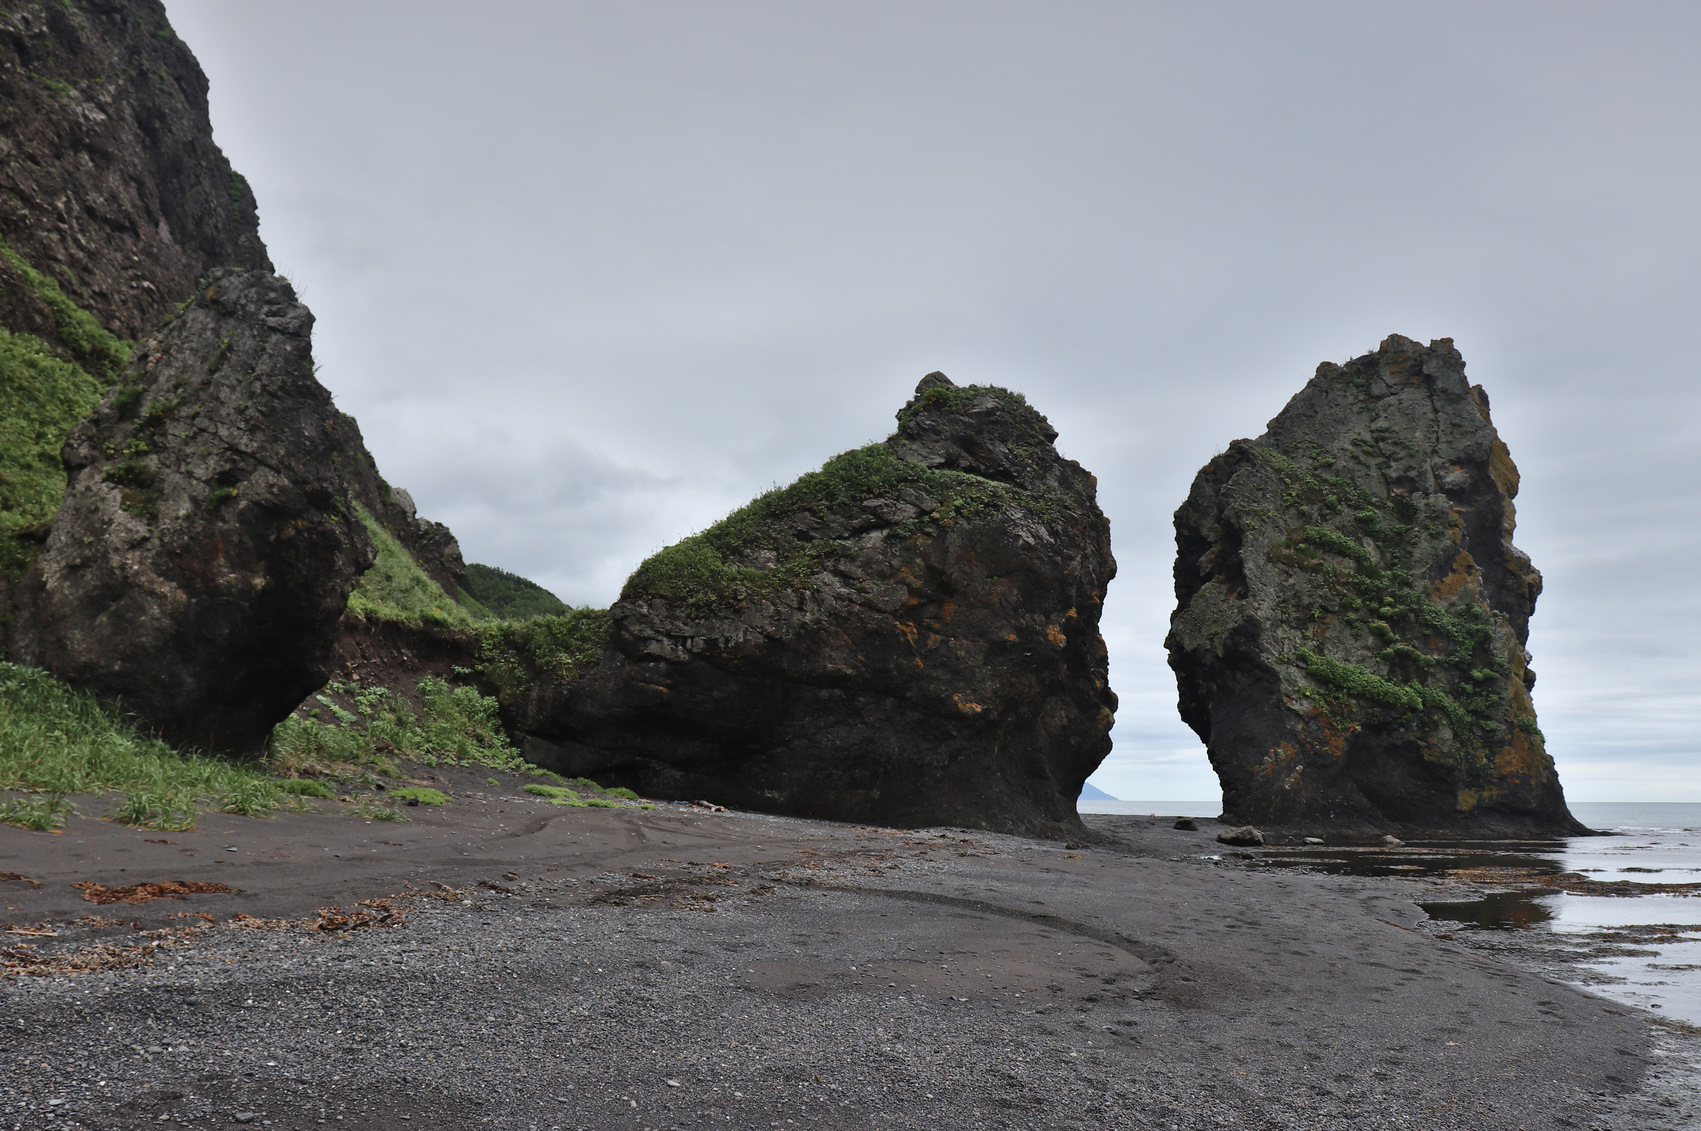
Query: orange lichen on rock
point(1463, 573)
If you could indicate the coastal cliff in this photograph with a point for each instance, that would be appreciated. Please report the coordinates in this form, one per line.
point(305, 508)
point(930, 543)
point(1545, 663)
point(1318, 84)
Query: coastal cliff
point(1349, 636)
point(191, 516)
point(110, 181)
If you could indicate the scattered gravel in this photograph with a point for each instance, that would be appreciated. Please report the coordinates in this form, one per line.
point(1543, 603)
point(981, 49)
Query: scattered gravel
point(818, 975)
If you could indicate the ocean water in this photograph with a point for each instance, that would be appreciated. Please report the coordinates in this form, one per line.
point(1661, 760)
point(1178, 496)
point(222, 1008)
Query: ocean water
point(1643, 949)
point(1651, 844)
point(1154, 808)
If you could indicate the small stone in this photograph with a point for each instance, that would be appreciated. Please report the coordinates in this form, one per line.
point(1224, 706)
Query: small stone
point(1313, 840)
point(1187, 824)
point(245, 1116)
point(1243, 834)
point(1393, 842)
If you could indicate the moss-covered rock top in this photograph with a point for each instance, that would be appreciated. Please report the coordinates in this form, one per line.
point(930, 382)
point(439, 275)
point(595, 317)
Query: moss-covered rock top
point(908, 635)
point(958, 453)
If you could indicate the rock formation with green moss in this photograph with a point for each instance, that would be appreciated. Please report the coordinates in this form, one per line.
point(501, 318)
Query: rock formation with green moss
point(207, 543)
point(116, 209)
point(114, 201)
point(908, 636)
point(1352, 614)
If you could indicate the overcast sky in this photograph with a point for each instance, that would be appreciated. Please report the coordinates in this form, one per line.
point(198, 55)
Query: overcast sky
point(592, 275)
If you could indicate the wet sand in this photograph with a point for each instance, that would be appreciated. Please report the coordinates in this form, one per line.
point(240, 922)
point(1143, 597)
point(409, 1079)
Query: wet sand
point(564, 967)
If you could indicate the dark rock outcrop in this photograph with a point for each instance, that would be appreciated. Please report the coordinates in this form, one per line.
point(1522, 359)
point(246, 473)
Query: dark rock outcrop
point(908, 636)
point(109, 177)
point(114, 201)
point(206, 546)
point(1351, 612)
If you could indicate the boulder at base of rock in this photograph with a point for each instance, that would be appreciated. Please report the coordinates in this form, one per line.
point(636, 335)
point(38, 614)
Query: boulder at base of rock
point(908, 636)
point(1351, 612)
point(206, 546)
point(1244, 835)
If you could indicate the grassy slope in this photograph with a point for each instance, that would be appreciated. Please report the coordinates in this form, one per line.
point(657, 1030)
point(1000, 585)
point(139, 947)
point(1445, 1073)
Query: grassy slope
point(509, 595)
point(397, 589)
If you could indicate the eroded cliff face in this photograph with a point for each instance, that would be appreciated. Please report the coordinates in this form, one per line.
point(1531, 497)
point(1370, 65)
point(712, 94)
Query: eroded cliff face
point(109, 177)
point(908, 637)
point(207, 543)
point(1352, 614)
point(116, 207)
point(114, 202)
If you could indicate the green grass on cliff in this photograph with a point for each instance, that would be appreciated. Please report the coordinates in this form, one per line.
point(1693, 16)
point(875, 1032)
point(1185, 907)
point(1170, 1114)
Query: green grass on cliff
point(1447, 653)
point(101, 353)
point(550, 638)
point(701, 572)
point(55, 743)
point(397, 589)
point(45, 388)
point(514, 654)
point(41, 398)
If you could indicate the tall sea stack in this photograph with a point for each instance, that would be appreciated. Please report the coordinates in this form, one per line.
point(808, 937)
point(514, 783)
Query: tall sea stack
point(1349, 636)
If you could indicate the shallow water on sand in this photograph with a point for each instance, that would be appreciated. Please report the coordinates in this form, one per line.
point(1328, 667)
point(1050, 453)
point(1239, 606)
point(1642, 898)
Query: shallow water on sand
point(1643, 949)
point(1650, 945)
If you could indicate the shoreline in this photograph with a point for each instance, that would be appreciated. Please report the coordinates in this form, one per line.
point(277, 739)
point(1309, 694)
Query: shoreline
point(681, 968)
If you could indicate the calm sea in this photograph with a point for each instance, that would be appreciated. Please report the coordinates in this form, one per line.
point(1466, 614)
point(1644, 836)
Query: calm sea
point(1641, 949)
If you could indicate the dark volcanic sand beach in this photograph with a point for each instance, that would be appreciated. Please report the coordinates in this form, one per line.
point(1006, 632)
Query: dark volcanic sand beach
point(601, 968)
